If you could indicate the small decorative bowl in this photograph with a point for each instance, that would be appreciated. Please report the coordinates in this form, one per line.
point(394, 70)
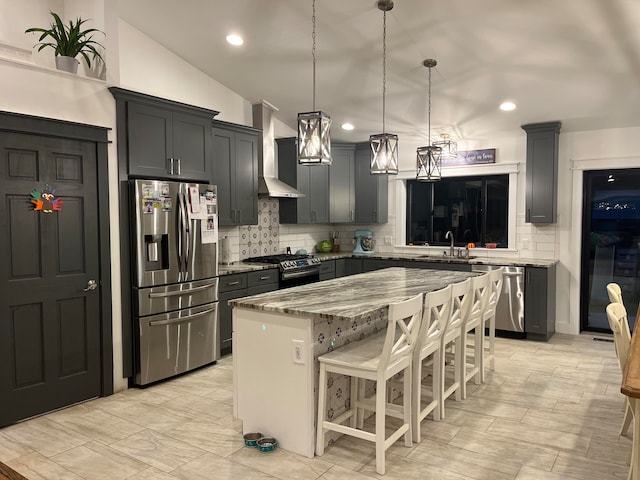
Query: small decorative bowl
point(251, 439)
point(267, 444)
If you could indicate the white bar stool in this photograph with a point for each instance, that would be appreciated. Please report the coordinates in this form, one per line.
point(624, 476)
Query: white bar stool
point(480, 287)
point(377, 358)
point(489, 321)
point(435, 315)
point(461, 296)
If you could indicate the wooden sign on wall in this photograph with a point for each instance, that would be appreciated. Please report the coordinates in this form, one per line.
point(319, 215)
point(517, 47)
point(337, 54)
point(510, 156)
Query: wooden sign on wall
point(472, 157)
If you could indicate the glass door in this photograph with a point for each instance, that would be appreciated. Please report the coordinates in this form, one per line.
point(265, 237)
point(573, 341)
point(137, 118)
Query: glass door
point(610, 244)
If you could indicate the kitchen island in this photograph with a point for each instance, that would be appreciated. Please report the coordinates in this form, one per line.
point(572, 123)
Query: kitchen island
point(277, 337)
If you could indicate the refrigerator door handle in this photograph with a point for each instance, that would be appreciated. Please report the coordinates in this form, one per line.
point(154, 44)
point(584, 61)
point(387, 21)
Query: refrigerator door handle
point(172, 321)
point(181, 292)
point(182, 238)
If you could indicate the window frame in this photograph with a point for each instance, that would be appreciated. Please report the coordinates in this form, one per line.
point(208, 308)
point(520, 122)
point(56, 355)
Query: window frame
point(516, 184)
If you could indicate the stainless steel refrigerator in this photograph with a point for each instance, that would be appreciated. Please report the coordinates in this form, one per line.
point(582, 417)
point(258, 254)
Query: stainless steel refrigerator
point(175, 248)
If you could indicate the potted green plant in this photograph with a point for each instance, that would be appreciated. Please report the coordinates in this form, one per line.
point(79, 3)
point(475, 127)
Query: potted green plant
point(69, 41)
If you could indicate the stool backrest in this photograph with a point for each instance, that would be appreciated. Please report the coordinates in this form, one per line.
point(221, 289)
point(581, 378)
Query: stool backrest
point(461, 297)
point(403, 327)
point(614, 292)
point(495, 280)
point(617, 316)
point(481, 287)
point(435, 315)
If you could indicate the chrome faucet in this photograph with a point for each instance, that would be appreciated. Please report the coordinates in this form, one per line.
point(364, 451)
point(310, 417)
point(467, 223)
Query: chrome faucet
point(449, 235)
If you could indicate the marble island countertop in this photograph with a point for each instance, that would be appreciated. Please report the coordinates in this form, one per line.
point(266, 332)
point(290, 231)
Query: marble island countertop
point(354, 296)
point(480, 259)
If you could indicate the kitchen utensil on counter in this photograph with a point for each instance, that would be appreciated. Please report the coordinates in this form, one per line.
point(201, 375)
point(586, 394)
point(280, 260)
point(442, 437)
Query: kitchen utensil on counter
point(365, 242)
point(225, 253)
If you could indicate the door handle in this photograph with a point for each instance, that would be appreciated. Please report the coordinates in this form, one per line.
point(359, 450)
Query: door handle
point(91, 285)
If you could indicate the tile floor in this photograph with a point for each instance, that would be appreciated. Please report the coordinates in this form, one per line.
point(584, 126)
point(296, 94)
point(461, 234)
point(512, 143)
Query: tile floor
point(549, 411)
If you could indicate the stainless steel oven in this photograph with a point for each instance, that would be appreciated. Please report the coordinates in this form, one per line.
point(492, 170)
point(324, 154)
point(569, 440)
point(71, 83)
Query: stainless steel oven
point(295, 269)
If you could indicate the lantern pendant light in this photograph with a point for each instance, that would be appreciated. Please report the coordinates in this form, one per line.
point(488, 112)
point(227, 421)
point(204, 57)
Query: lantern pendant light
point(429, 157)
point(314, 140)
point(384, 146)
point(449, 148)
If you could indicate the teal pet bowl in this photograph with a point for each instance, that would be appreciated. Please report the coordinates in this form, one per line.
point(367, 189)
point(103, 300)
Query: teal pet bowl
point(267, 444)
point(251, 439)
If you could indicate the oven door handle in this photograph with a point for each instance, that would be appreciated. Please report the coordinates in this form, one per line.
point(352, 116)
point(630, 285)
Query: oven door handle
point(172, 321)
point(298, 274)
point(181, 292)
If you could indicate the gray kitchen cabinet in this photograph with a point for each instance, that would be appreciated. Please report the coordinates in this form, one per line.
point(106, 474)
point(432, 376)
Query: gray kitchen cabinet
point(239, 285)
point(230, 287)
point(457, 267)
point(540, 302)
point(348, 266)
point(371, 264)
point(313, 181)
point(262, 281)
point(542, 172)
point(371, 190)
point(342, 196)
point(327, 270)
point(163, 139)
point(235, 172)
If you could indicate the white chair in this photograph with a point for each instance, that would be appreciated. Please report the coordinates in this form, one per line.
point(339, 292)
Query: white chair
point(619, 324)
point(435, 315)
point(489, 321)
point(480, 287)
point(460, 304)
point(377, 358)
point(614, 292)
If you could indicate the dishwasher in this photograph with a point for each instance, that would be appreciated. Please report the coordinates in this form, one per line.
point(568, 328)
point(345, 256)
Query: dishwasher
point(510, 308)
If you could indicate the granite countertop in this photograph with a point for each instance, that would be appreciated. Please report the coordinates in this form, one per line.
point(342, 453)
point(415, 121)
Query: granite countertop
point(354, 296)
point(241, 267)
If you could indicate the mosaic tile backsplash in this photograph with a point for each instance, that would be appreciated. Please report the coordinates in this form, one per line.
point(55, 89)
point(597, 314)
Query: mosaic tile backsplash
point(264, 238)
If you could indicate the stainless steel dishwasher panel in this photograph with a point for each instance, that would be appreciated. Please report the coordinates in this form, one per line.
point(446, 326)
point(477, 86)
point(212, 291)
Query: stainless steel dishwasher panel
point(510, 308)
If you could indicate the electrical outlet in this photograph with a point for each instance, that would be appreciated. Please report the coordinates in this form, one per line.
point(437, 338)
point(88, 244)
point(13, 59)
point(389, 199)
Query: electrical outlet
point(388, 240)
point(298, 351)
point(525, 243)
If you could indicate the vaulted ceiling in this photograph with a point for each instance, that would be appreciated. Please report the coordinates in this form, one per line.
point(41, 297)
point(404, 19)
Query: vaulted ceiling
point(577, 61)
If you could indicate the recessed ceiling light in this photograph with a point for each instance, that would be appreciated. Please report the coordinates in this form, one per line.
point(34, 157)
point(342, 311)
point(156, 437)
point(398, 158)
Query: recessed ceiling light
point(347, 126)
point(507, 106)
point(234, 39)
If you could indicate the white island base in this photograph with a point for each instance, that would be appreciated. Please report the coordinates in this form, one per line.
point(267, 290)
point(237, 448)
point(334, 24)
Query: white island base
point(274, 377)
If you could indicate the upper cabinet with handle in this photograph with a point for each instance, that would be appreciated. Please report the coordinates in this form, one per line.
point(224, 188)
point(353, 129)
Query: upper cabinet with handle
point(163, 139)
point(371, 190)
point(235, 172)
point(542, 171)
point(313, 181)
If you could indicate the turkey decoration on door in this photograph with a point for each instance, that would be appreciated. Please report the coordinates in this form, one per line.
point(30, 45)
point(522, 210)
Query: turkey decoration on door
point(46, 200)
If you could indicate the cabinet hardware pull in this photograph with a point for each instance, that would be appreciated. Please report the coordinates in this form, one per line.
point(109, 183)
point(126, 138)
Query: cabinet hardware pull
point(265, 278)
point(233, 283)
point(170, 165)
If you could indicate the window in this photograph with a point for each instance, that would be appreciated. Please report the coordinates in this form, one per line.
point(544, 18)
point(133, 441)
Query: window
point(475, 209)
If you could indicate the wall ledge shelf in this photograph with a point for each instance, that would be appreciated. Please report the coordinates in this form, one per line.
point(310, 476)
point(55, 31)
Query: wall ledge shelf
point(20, 62)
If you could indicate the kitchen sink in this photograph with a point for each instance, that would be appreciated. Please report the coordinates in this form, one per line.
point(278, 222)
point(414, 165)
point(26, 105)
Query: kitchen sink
point(442, 258)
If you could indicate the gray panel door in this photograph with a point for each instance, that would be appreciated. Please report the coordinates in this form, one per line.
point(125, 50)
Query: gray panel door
point(50, 341)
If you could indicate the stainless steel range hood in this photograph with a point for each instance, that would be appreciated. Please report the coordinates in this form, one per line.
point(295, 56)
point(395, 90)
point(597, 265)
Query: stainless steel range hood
point(268, 182)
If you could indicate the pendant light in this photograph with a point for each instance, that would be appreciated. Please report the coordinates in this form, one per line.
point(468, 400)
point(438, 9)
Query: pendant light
point(449, 148)
point(314, 140)
point(429, 167)
point(384, 146)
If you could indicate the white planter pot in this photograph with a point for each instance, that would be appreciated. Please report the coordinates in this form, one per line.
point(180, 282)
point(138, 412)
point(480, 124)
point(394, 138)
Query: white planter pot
point(67, 64)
